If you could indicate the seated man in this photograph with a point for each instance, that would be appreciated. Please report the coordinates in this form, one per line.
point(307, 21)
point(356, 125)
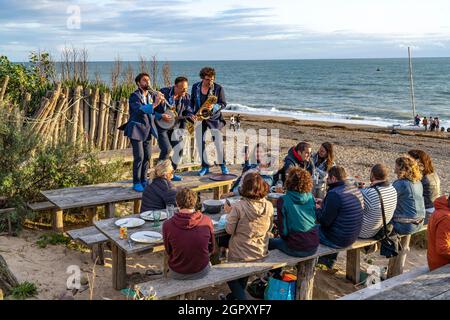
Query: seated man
point(299, 156)
point(439, 234)
point(372, 215)
point(340, 215)
point(188, 239)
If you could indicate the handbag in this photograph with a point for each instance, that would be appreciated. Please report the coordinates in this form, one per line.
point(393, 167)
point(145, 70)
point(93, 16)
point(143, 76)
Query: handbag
point(279, 290)
point(390, 242)
point(257, 288)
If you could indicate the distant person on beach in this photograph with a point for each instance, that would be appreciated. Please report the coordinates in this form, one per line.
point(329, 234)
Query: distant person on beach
point(417, 120)
point(340, 214)
point(430, 180)
point(431, 123)
point(238, 122)
point(436, 124)
point(160, 192)
point(249, 224)
point(323, 161)
point(438, 252)
point(409, 214)
point(425, 123)
point(233, 122)
point(201, 92)
point(188, 239)
point(372, 213)
point(300, 156)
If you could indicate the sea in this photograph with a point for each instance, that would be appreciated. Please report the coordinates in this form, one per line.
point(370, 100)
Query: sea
point(358, 91)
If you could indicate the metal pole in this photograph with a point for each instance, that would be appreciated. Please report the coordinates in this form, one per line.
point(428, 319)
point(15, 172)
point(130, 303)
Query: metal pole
point(411, 85)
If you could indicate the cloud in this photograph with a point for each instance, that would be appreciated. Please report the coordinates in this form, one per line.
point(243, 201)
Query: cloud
point(232, 29)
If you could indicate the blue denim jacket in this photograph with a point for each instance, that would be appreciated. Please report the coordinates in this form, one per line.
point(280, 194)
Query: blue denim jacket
point(410, 203)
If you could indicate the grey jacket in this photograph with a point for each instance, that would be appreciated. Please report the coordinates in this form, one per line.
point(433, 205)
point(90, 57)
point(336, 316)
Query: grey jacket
point(431, 189)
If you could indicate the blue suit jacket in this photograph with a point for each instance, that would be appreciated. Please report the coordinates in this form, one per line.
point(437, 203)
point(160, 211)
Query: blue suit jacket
point(216, 121)
point(185, 106)
point(140, 125)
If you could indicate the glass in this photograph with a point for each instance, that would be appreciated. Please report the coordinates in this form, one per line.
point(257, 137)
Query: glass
point(170, 209)
point(156, 218)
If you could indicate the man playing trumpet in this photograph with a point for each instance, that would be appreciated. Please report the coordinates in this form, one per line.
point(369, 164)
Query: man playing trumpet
point(202, 94)
point(168, 139)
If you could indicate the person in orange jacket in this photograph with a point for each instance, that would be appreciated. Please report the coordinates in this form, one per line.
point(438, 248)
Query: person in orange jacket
point(439, 234)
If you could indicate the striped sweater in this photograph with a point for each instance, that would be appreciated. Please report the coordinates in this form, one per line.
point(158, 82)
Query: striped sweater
point(372, 215)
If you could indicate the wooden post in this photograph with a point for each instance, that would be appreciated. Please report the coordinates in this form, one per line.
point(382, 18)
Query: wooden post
point(51, 127)
point(397, 263)
point(47, 109)
point(92, 214)
point(7, 279)
point(119, 268)
point(58, 224)
point(110, 210)
point(306, 270)
point(97, 251)
point(104, 145)
point(63, 119)
point(80, 129)
point(4, 86)
point(124, 139)
point(137, 206)
point(75, 114)
point(353, 265)
point(86, 117)
point(101, 120)
point(218, 192)
point(118, 123)
point(93, 118)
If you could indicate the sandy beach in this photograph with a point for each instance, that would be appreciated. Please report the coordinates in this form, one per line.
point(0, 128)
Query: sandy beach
point(357, 149)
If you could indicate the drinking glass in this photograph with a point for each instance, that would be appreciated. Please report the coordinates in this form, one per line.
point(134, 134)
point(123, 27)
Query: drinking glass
point(156, 218)
point(170, 209)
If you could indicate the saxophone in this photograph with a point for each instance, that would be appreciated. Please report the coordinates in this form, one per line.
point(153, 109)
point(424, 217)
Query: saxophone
point(206, 110)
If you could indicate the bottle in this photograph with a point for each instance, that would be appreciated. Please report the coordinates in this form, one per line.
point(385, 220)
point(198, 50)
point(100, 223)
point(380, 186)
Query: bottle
point(279, 182)
point(123, 233)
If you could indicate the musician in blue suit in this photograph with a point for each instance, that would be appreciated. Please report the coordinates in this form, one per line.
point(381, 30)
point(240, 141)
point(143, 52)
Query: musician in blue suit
point(168, 139)
point(141, 127)
point(199, 94)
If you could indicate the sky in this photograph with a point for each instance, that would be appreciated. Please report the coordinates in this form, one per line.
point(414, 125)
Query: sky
point(227, 29)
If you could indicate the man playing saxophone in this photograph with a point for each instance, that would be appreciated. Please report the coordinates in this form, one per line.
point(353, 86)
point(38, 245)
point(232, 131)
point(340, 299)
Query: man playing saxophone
point(201, 95)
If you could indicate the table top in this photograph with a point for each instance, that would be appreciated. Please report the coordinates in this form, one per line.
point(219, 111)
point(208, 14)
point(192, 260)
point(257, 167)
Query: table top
point(100, 194)
point(434, 285)
point(111, 231)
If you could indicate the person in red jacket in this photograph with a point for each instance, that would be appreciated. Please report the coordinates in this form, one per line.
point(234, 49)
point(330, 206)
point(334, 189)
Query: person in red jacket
point(188, 239)
point(439, 234)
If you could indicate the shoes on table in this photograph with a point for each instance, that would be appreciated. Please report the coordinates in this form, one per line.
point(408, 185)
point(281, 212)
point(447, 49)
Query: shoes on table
point(224, 169)
point(203, 171)
point(177, 178)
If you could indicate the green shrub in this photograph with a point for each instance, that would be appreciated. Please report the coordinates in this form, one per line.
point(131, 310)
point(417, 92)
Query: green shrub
point(53, 239)
point(24, 290)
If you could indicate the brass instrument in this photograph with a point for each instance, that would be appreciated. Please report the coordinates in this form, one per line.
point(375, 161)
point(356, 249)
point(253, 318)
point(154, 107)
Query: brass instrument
point(206, 110)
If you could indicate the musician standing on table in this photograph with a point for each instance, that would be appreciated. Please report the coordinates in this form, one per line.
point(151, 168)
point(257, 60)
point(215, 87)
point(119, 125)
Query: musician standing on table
point(200, 92)
point(178, 98)
point(141, 126)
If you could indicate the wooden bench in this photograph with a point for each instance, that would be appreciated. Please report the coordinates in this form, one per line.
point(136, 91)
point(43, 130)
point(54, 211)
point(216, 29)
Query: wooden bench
point(387, 284)
point(93, 239)
point(220, 273)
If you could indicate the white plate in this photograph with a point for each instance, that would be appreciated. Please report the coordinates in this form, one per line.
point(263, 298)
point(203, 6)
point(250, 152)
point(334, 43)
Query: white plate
point(148, 215)
point(129, 222)
point(212, 202)
point(146, 236)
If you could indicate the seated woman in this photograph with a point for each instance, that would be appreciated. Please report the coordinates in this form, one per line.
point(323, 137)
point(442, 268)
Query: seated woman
point(296, 218)
point(188, 239)
point(248, 223)
point(430, 180)
point(409, 214)
point(323, 162)
point(161, 192)
point(260, 161)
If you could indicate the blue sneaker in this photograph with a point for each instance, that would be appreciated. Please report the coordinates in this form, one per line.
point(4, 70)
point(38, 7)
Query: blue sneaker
point(176, 178)
point(203, 171)
point(224, 169)
point(138, 187)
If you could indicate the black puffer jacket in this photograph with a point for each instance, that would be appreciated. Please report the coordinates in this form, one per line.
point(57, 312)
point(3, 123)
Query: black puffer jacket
point(158, 194)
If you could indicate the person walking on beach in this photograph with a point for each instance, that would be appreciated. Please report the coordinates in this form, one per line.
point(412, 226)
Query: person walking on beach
point(201, 91)
point(425, 123)
point(431, 123)
point(238, 122)
point(417, 120)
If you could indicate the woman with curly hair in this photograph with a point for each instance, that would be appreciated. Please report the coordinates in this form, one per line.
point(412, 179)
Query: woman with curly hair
point(296, 219)
point(430, 180)
point(323, 161)
point(409, 214)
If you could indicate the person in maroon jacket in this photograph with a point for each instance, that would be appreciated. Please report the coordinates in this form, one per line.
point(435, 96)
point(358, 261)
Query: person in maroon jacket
point(188, 239)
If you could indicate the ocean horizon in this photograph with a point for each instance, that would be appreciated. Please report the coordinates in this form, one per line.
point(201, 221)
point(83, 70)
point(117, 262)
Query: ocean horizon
point(356, 91)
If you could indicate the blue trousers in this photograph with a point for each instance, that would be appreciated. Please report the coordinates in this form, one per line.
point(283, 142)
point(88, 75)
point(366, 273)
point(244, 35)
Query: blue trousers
point(328, 260)
point(238, 289)
point(166, 145)
point(141, 157)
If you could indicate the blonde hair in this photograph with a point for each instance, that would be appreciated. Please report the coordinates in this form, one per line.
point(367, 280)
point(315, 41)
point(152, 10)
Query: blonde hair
point(408, 169)
point(161, 169)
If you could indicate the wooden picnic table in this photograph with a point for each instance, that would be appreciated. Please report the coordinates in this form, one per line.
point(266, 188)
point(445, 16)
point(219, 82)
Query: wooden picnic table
point(434, 285)
point(121, 248)
point(108, 194)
